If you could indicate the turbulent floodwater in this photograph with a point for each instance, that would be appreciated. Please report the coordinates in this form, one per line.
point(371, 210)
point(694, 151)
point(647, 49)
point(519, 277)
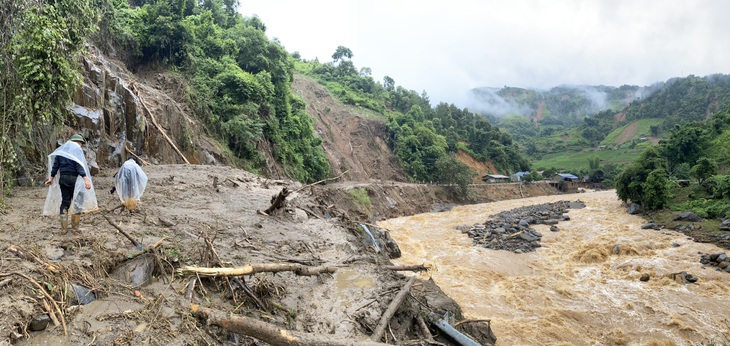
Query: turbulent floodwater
point(574, 290)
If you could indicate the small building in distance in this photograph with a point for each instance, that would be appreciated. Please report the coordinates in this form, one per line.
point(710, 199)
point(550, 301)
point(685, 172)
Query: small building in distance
point(518, 176)
point(495, 178)
point(565, 177)
point(566, 182)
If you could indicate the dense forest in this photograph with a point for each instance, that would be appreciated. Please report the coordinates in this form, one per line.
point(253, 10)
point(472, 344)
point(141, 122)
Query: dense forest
point(694, 150)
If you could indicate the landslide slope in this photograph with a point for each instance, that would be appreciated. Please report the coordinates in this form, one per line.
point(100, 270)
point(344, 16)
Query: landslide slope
point(353, 138)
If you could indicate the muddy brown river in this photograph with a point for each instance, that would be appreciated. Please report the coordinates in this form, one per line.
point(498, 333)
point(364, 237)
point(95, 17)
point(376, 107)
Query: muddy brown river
point(574, 290)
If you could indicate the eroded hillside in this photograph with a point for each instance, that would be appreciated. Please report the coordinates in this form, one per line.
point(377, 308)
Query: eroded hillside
point(353, 139)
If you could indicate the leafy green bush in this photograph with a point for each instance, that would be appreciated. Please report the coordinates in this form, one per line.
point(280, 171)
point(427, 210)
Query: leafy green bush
point(721, 186)
point(706, 208)
point(361, 197)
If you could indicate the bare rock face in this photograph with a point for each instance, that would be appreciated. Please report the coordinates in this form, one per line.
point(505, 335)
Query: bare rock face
point(119, 112)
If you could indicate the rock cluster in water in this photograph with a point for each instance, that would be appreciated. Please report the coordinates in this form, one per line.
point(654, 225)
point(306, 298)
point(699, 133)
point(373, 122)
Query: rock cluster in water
point(719, 260)
point(511, 231)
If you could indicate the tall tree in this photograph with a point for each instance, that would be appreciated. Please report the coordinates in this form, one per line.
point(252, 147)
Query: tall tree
point(704, 169)
point(630, 183)
point(340, 53)
point(686, 143)
point(388, 83)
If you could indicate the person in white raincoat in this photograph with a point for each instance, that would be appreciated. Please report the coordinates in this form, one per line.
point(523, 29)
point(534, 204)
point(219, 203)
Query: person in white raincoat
point(130, 183)
point(72, 192)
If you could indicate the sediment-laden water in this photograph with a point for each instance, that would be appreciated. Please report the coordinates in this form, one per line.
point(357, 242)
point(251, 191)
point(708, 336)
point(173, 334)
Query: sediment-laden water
point(582, 286)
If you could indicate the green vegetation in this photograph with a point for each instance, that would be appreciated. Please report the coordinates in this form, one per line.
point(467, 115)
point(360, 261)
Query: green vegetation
point(643, 129)
point(649, 178)
point(239, 81)
point(644, 180)
point(423, 138)
point(579, 160)
point(40, 43)
point(565, 121)
point(360, 196)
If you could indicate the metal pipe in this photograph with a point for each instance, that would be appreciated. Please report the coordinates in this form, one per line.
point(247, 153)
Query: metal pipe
point(443, 325)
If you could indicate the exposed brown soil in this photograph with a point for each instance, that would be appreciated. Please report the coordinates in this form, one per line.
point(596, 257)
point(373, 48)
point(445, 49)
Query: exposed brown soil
point(184, 207)
point(353, 138)
point(538, 115)
point(481, 168)
point(618, 118)
point(628, 133)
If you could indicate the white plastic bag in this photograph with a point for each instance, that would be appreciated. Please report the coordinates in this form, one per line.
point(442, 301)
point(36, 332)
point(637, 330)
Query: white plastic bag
point(83, 200)
point(130, 183)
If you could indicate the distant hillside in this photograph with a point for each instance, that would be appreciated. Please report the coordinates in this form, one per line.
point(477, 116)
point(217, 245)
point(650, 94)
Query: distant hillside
point(529, 113)
point(562, 105)
point(582, 117)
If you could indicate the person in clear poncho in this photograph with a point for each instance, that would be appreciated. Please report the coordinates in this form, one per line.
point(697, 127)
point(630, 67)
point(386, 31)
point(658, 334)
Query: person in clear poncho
point(71, 190)
point(130, 183)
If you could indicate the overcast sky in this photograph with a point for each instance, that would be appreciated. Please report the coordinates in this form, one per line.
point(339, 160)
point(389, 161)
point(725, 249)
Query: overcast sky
point(448, 47)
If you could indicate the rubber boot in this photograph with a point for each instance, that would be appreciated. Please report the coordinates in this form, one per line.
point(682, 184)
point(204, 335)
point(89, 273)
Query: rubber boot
point(75, 219)
point(64, 222)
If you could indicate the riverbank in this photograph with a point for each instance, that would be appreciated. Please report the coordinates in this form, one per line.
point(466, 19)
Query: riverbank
point(386, 199)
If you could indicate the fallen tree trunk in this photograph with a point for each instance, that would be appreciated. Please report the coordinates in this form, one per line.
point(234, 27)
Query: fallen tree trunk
point(157, 126)
point(392, 308)
point(257, 268)
point(413, 268)
point(426, 332)
point(145, 163)
point(271, 333)
point(280, 200)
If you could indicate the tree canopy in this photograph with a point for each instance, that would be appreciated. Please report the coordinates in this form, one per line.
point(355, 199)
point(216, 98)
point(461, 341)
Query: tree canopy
point(40, 44)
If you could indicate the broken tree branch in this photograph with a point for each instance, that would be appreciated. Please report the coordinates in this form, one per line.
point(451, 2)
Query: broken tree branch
point(426, 332)
point(277, 202)
point(50, 312)
point(321, 181)
point(144, 163)
point(122, 231)
point(390, 311)
point(271, 333)
point(159, 128)
point(257, 268)
point(471, 321)
point(43, 291)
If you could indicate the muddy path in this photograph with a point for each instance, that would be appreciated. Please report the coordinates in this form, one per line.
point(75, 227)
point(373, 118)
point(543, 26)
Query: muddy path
point(202, 216)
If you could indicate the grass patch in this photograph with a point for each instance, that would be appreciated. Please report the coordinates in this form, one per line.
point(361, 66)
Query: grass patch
point(643, 129)
point(360, 196)
point(665, 217)
point(578, 160)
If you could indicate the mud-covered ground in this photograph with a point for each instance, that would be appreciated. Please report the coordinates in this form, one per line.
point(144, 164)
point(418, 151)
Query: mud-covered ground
point(201, 216)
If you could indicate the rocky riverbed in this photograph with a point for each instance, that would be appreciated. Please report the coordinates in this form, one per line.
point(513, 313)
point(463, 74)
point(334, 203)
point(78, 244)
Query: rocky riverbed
point(512, 230)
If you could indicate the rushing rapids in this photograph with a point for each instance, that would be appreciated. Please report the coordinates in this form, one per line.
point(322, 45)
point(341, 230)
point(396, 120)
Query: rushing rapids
point(600, 280)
